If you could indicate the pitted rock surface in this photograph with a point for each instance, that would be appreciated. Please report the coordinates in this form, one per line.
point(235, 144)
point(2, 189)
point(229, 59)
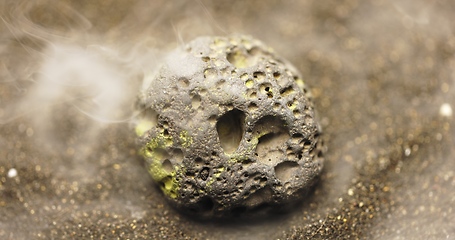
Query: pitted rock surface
point(228, 128)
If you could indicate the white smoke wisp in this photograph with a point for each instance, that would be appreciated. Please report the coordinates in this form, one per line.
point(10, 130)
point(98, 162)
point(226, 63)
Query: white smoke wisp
point(81, 79)
point(71, 80)
point(71, 73)
point(82, 87)
point(78, 90)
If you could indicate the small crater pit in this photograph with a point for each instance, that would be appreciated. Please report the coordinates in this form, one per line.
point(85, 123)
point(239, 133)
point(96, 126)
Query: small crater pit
point(244, 77)
point(249, 83)
point(272, 136)
point(210, 74)
point(184, 82)
point(277, 75)
point(286, 170)
point(260, 76)
point(241, 59)
point(266, 89)
point(277, 106)
point(253, 95)
point(198, 161)
point(177, 155)
point(159, 153)
point(287, 91)
point(167, 166)
point(296, 113)
point(196, 101)
point(296, 138)
point(269, 148)
point(292, 104)
point(167, 183)
point(252, 107)
point(220, 83)
point(204, 173)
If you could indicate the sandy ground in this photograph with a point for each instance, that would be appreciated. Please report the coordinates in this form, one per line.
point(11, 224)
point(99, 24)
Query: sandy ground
point(382, 74)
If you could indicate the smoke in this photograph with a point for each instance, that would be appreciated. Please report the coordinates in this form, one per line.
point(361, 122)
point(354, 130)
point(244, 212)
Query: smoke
point(90, 80)
point(71, 76)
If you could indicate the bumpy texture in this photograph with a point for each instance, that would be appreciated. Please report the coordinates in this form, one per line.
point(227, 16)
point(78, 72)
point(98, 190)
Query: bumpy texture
point(227, 128)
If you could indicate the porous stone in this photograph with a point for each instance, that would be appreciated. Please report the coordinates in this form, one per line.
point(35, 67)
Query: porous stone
point(228, 128)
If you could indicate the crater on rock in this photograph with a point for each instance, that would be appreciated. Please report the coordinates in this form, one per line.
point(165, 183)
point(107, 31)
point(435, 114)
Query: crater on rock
point(230, 128)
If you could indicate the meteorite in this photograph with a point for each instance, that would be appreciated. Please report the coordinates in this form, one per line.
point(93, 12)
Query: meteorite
point(228, 128)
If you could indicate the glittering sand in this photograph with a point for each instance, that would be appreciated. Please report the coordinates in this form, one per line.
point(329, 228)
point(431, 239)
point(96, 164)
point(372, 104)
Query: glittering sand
point(382, 74)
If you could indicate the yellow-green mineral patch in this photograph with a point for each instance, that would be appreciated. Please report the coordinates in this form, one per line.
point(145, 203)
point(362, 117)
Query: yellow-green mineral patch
point(185, 139)
point(169, 182)
point(249, 83)
point(153, 151)
point(160, 141)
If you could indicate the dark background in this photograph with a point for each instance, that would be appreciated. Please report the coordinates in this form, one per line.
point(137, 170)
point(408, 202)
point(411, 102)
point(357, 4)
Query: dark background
point(382, 73)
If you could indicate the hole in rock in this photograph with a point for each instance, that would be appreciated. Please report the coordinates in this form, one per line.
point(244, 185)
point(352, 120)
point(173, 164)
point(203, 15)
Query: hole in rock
point(184, 82)
point(287, 91)
point(285, 170)
point(277, 75)
point(266, 88)
point(249, 83)
point(159, 153)
point(252, 107)
point(167, 166)
point(307, 145)
point(240, 59)
point(166, 183)
point(230, 128)
point(196, 101)
point(210, 74)
point(259, 76)
point(198, 161)
point(166, 132)
point(269, 147)
point(204, 174)
point(177, 155)
point(273, 134)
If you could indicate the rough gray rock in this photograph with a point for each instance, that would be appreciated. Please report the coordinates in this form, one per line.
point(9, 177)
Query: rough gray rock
point(227, 127)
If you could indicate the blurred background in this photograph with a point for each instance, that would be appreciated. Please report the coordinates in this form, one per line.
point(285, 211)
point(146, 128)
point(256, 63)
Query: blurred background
point(382, 74)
